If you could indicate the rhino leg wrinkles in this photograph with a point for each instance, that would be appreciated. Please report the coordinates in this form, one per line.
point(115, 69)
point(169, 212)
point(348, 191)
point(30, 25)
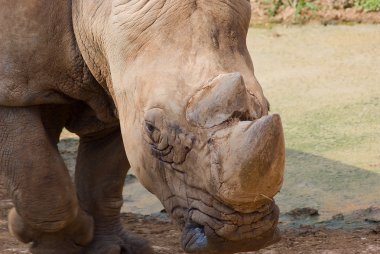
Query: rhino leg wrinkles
point(46, 211)
point(101, 169)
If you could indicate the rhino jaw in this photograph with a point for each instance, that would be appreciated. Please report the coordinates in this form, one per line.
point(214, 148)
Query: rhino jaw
point(200, 235)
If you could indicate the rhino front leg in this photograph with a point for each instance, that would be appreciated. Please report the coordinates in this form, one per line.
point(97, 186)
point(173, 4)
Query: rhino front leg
point(101, 169)
point(46, 208)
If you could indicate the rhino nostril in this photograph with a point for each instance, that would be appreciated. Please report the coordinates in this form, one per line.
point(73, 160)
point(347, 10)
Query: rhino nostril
point(255, 108)
point(242, 116)
point(194, 238)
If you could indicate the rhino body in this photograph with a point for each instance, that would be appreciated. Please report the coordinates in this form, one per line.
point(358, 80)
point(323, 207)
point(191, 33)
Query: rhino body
point(166, 87)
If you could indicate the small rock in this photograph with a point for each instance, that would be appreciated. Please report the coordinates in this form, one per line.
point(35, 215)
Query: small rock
point(376, 230)
point(338, 216)
point(303, 212)
point(373, 215)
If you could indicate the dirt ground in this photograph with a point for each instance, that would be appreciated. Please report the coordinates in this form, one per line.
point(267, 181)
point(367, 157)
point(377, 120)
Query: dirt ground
point(165, 238)
point(324, 81)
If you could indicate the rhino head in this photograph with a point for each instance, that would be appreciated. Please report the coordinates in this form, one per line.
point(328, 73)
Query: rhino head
point(194, 118)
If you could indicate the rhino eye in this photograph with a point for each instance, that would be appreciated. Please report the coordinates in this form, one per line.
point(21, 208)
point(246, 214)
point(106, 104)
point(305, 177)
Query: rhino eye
point(149, 127)
point(153, 132)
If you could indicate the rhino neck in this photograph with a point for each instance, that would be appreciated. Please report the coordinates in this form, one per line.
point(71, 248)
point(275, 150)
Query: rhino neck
point(90, 19)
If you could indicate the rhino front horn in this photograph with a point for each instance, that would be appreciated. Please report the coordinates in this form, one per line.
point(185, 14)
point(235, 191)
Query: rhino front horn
point(248, 163)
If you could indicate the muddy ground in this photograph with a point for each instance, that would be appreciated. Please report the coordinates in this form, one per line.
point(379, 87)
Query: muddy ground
point(325, 82)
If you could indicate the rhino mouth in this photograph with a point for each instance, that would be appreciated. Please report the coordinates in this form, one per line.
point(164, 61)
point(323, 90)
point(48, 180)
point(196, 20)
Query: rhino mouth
point(212, 227)
point(204, 233)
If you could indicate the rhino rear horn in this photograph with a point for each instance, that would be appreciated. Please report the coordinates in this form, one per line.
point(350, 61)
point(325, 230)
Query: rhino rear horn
point(219, 100)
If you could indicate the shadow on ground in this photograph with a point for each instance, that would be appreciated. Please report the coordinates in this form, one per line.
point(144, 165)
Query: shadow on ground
point(329, 186)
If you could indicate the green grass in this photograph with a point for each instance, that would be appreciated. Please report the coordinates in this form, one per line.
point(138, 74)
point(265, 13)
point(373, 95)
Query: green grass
point(335, 127)
point(368, 5)
point(274, 6)
point(298, 6)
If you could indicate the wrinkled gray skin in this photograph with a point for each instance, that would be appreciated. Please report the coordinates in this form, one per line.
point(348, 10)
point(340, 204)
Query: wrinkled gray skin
point(173, 79)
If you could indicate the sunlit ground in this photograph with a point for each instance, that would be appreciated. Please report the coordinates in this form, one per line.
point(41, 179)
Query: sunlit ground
point(325, 83)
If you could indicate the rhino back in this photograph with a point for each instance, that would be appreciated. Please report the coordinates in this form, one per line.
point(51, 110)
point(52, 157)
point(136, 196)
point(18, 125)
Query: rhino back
point(39, 59)
point(40, 64)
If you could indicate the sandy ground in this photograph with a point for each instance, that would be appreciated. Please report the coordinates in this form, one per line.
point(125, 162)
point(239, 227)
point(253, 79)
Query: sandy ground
point(325, 82)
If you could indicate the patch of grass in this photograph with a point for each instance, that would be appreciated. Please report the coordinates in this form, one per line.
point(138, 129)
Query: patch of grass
point(368, 5)
point(333, 128)
point(276, 6)
point(298, 5)
point(303, 5)
point(299, 12)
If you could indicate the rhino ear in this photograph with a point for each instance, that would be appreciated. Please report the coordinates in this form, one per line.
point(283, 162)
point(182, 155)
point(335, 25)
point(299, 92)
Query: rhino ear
point(218, 101)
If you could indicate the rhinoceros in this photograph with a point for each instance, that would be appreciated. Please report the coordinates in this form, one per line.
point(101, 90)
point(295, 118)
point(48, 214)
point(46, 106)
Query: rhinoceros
point(166, 87)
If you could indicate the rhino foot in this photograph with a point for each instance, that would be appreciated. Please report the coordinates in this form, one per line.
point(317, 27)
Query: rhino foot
point(121, 243)
point(69, 240)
